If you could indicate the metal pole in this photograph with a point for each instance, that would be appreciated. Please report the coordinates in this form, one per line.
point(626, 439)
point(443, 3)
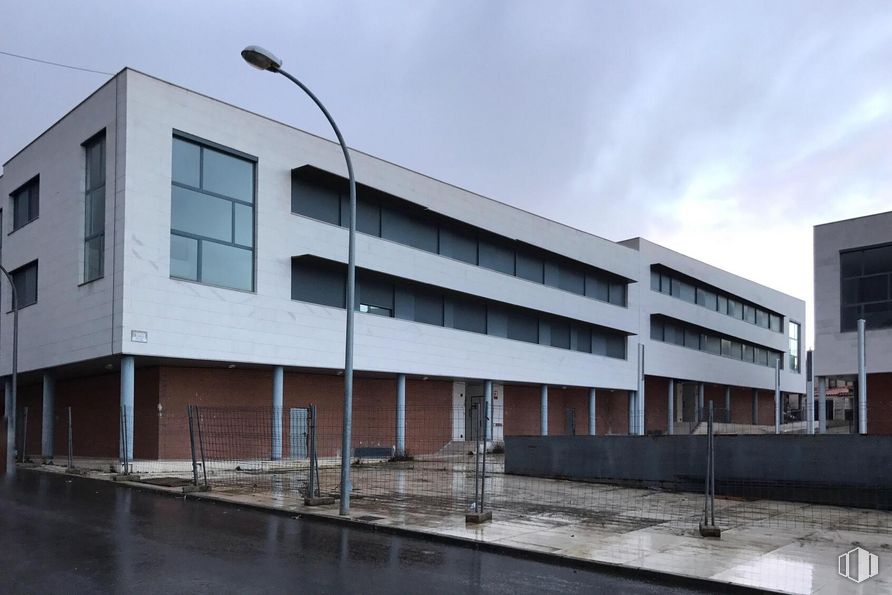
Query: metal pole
point(486, 419)
point(862, 377)
point(777, 398)
point(822, 405)
point(278, 398)
point(701, 395)
point(475, 409)
point(711, 465)
point(346, 443)
point(592, 412)
point(11, 411)
point(25, 437)
point(670, 422)
point(70, 454)
point(400, 415)
point(487, 398)
point(641, 397)
point(204, 466)
point(809, 393)
point(543, 410)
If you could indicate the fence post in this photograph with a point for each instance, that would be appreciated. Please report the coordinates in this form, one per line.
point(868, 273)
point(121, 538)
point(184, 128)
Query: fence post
point(477, 514)
point(204, 467)
point(192, 445)
point(314, 495)
point(707, 525)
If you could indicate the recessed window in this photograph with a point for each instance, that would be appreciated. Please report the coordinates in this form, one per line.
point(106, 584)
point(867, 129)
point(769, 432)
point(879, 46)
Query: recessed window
point(26, 204)
point(212, 215)
point(795, 353)
point(25, 279)
point(94, 208)
point(866, 288)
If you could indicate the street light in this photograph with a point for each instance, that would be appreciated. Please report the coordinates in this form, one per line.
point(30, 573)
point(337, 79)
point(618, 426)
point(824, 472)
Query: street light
point(10, 404)
point(265, 60)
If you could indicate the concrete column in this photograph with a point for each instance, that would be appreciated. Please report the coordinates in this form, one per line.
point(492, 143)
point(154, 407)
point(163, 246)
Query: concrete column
point(49, 414)
point(822, 405)
point(777, 398)
point(278, 399)
point(809, 394)
point(127, 383)
point(640, 400)
point(862, 378)
point(400, 415)
point(727, 404)
point(701, 398)
point(592, 413)
point(543, 410)
point(755, 406)
point(670, 425)
point(487, 398)
point(633, 405)
point(7, 394)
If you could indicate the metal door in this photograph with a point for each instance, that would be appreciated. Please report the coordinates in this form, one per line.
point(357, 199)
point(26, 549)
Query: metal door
point(297, 433)
point(571, 422)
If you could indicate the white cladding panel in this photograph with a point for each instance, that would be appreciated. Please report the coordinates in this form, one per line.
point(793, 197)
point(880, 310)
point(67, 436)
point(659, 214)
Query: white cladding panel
point(71, 321)
point(836, 353)
point(674, 361)
point(189, 320)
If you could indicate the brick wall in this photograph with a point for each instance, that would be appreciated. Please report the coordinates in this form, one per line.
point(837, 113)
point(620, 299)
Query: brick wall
point(521, 410)
point(879, 403)
point(656, 404)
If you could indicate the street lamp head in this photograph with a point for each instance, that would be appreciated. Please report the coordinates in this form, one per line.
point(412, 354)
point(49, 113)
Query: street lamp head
point(261, 59)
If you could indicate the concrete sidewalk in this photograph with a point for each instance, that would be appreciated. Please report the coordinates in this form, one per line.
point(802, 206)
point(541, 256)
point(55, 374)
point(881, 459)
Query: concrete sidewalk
point(784, 547)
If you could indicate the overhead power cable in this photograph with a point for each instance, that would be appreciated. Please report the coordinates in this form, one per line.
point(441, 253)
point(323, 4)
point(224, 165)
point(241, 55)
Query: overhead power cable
point(55, 63)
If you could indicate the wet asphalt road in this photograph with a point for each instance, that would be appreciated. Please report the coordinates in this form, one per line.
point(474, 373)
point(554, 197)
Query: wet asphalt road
point(63, 534)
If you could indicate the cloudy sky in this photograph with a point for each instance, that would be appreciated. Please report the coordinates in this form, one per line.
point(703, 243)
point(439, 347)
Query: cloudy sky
point(723, 130)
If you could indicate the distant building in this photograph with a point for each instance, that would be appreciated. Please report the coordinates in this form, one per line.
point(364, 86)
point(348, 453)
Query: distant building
point(157, 229)
point(853, 280)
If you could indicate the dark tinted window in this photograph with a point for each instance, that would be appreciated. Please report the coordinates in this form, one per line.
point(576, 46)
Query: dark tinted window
point(26, 204)
point(523, 327)
point(458, 244)
point(402, 227)
point(317, 283)
point(25, 279)
point(315, 201)
point(368, 216)
point(560, 334)
point(616, 346)
point(468, 315)
point(571, 279)
point(584, 339)
point(496, 256)
point(375, 292)
point(428, 307)
point(530, 267)
point(866, 287)
point(618, 294)
point(597, 288)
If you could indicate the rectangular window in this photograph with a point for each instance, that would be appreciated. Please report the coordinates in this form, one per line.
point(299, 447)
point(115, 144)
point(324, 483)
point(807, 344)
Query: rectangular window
point(749, 314)
point(26, 204)
point(375, 296)
point(212, 214)
point(571, 279)
point(428, 307)
point(616, 346)
point(866, 288)
point(776, 323)
point(25, 279)
point(706, 298)
point(530, 267)
point(596, 287)
point(617, 294)
point(656, 329)
point(496, 256)
point(468, 314)
point(795, 353)
point(735, 309)
point(458, 244)
point(583, 339)
point(523, 327)
point(722, 304)
point(691, 338)
point(94, 208)
point(405, 228)
point(762, 318)
point(560, 334)
point(317, 283)
point(313, 200)
point(687, 292)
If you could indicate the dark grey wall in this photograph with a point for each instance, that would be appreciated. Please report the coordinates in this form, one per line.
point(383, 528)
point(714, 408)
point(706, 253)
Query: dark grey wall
point(843, 470)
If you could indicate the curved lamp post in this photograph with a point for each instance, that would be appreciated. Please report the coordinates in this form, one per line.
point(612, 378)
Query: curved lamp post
point(265, 60)
point(11, 404)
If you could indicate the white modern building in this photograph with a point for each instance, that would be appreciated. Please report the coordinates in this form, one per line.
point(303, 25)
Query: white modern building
point(853, 280)
point(171, 249)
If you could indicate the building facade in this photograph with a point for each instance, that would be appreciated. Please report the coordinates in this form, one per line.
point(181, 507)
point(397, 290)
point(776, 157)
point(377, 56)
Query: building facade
point(171, 249)
point(853, 280)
